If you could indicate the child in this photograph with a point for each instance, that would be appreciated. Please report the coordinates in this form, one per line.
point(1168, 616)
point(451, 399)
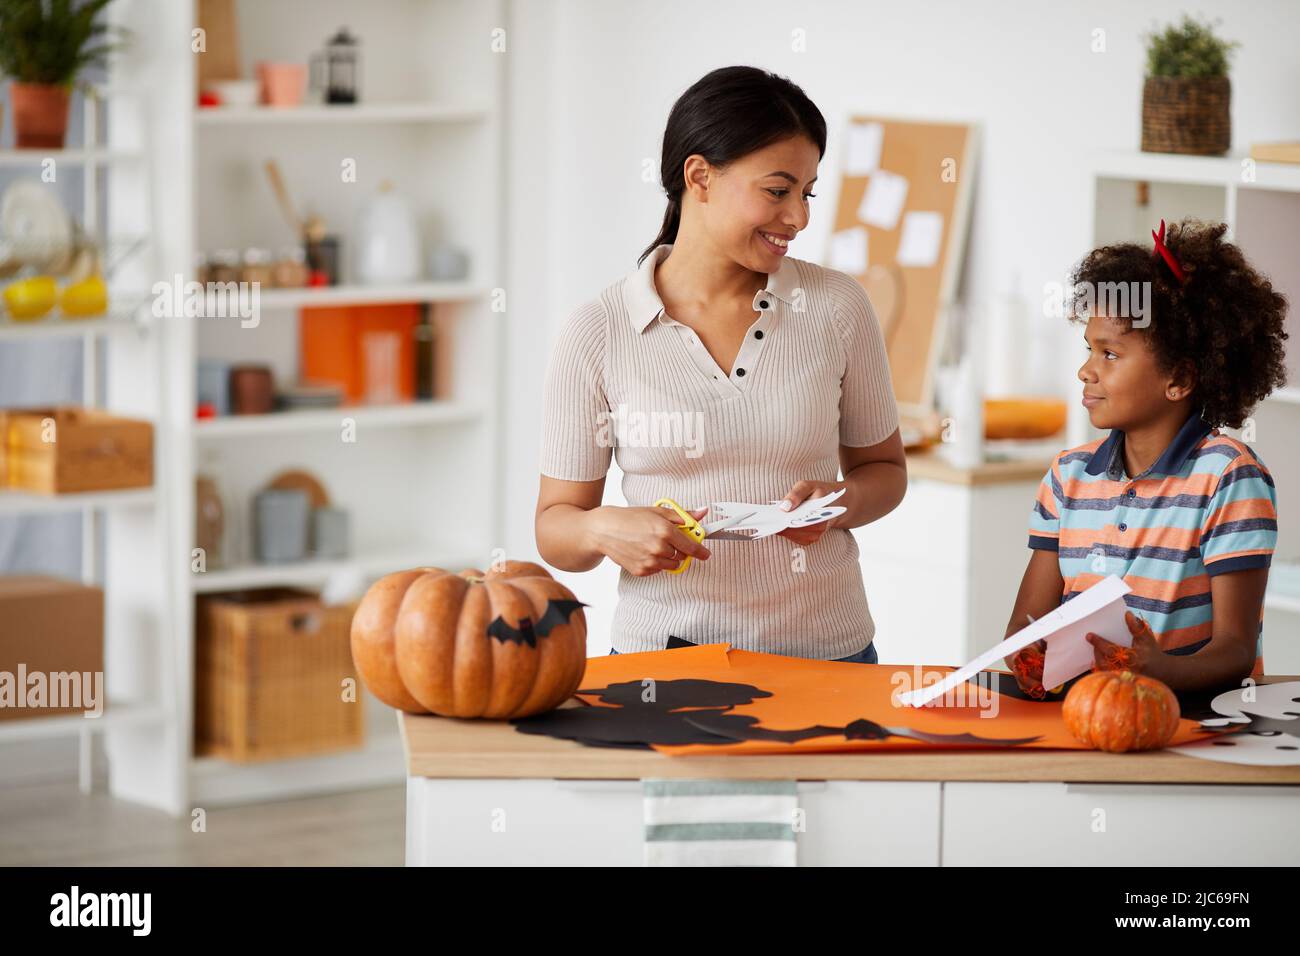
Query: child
point(1185, 515)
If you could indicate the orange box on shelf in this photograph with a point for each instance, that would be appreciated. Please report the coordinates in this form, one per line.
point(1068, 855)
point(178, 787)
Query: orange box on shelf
point(67, 448)
point(367, 350)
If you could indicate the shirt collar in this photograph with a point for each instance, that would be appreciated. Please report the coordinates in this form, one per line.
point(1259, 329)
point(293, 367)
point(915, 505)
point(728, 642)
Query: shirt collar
point(642, 298)
point(1108, 456)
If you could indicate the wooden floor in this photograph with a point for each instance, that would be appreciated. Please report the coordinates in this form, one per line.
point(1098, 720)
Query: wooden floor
point(55, 825)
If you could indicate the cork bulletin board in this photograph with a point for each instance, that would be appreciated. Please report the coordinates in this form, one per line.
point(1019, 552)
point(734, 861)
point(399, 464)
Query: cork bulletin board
point(900, 227)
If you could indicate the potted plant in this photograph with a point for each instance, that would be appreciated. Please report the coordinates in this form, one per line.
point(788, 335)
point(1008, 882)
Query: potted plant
point(1186, 97)
point(44, 46)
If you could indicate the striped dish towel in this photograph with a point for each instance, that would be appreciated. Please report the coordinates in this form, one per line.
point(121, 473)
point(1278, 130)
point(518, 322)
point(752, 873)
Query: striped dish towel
point(719, 822)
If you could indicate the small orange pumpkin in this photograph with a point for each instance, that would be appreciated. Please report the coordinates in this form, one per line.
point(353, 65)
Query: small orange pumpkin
point(1118, 711)
point(508, 643)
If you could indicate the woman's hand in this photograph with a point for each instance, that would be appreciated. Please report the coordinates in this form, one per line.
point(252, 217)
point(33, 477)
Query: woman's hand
point(1143, 657)
point(801, 492)
point(644, 541)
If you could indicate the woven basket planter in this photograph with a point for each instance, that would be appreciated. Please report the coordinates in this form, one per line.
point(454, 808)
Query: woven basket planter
point(1187, 114)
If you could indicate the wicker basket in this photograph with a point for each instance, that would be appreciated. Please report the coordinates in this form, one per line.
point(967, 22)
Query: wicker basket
point(269, 672)
point(1187, 114)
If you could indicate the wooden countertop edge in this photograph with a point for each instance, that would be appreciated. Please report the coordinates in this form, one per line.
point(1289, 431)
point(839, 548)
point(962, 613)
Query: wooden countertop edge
point(473, 750)
point(930, 465)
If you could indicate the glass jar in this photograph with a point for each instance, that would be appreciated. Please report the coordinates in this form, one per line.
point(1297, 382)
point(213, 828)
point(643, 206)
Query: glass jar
point(258, 268)
point(291, 268)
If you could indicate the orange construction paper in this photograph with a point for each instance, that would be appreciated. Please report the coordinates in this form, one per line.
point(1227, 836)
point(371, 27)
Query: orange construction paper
point(808, 693)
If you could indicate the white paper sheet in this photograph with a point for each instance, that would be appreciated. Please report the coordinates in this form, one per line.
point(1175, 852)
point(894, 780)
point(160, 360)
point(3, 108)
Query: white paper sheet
point(863, 148)
point(922, 233)
point(849, 251)
point(1068, 651)
point(769, 519)
point(882, 203)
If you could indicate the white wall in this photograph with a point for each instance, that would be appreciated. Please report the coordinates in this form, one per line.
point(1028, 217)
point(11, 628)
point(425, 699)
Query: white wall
point(593, 83)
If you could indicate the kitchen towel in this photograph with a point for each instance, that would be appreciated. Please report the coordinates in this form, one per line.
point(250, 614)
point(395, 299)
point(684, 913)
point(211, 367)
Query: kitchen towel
point(719, 822)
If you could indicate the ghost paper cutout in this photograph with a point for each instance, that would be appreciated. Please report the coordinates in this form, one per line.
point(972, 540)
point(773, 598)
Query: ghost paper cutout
point(1263, 732)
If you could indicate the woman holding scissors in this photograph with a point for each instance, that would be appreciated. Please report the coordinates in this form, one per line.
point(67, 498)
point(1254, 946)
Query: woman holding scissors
point(722, 370)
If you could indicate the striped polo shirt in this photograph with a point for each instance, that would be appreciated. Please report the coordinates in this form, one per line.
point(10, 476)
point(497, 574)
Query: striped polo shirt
point(1207, 506)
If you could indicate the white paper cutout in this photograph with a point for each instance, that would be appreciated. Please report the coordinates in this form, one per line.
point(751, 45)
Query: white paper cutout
point(863, 148)
point(849, 250)
point(769, 519)
point(1259, 748)
point(919, 245)
point(1068, 652)
point(882, 203)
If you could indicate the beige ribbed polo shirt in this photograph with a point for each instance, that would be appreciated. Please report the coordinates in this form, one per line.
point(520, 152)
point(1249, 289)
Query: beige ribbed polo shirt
point(626, 379)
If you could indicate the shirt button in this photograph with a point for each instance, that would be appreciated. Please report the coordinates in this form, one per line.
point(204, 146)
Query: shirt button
point(740, 371)
point(762, 304)
point(1123, 526)
point(1132, 492)
point(758, 334)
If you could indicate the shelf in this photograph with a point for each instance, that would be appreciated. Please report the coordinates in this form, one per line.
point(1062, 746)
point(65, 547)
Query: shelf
point(372, 564)
point(70, 725)
point(1290, 396)
point(79, 157)
point(358, 114)
point(26, 502)
point(115, 322)
point(339, 295)
point(1194, 170)
point(327, 419)
point(216, 782)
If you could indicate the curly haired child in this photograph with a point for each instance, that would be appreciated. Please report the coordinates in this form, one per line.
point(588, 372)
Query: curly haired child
point(1185, 515)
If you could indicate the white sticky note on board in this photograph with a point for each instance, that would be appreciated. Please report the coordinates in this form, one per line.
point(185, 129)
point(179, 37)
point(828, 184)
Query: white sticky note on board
point(1068, 651)
point(862, 148)
point(921, 238)
point(882, 203)
point(849, 250)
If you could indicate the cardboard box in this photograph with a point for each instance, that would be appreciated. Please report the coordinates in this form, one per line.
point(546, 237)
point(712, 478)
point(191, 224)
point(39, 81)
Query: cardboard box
point(50, 630)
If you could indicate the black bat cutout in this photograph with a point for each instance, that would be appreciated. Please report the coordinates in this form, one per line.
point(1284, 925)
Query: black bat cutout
point(557, 612)
point(742, 727)
point(691, 711)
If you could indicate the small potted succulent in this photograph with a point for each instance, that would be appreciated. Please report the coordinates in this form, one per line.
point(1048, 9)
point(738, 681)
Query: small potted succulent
point(44, 47)
point(1187, 95)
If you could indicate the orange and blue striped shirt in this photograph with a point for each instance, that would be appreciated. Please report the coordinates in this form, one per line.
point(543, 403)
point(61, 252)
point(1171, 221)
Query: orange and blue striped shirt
point(1206, 507)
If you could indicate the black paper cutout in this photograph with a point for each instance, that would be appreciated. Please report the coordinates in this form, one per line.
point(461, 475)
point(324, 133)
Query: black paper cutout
point(557, 612)
point(693, 711)
point(636, 722)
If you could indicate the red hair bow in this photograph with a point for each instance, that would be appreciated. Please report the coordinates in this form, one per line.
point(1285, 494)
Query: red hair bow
point(1165, 254)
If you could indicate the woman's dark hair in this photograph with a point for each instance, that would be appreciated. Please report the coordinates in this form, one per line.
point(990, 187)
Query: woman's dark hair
point(1224, 323)
point(724, 116)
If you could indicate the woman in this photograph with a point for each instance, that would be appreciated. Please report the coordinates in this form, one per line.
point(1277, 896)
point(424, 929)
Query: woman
point(723, 370)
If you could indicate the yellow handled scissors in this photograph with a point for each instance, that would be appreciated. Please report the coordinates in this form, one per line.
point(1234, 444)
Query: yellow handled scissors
point(698, 532)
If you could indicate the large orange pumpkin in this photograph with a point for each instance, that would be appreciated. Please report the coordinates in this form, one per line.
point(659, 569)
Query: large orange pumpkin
point(1119, 711)
point(508, 643)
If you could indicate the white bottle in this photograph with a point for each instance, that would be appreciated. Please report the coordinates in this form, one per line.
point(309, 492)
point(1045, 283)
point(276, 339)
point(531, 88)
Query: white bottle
point(387, 240)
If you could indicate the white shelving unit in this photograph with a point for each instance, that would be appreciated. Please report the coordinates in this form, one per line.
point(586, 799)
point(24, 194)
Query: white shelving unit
point(1260, 202)
point(421, 482)
point(140, 698)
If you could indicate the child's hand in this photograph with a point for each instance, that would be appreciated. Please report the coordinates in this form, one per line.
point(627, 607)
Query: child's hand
point(1142, 658)
point(1027, 666)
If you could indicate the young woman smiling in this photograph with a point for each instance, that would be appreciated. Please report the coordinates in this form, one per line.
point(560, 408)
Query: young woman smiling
point(781, 363)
